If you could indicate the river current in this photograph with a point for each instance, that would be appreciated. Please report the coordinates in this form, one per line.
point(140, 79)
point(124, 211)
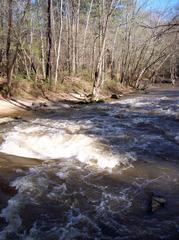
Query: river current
point(98, 166)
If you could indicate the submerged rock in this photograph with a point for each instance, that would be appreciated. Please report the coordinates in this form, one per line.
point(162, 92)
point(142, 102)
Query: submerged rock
point(39, 106)
point(156, 202)
point(116, 96)
point(120, 115)
point(6, 188)
point(96, 101)
point(17, 118)
point(1, 139)
point(100, 101)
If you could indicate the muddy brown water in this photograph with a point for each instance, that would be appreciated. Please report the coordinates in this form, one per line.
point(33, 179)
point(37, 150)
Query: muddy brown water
point(88, 171)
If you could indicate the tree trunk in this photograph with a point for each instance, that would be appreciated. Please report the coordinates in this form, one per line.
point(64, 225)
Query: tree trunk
point(76, 37)
point(59, 43)
point(8, 47)
point(49, 41)
point(42, 54)
point(98, 72)
point(86, 30)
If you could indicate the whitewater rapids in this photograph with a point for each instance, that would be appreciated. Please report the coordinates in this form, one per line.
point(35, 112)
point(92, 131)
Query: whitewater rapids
point(98, 165)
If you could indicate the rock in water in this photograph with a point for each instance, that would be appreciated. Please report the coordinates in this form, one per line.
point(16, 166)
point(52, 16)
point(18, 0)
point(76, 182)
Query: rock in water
point(116, 96)
point(156, 202)
point(6, 188)
point(39, 106)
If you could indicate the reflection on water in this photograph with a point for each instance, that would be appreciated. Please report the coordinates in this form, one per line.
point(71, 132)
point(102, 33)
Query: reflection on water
point(100, 165)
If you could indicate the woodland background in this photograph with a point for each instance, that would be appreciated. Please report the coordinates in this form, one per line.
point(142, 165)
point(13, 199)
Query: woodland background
point(87, 44)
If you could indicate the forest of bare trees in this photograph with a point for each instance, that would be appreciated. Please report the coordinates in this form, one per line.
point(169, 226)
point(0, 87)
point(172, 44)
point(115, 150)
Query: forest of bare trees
point(110, 40)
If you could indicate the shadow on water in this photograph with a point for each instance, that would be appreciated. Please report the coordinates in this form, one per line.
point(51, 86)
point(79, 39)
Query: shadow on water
point(73, 200)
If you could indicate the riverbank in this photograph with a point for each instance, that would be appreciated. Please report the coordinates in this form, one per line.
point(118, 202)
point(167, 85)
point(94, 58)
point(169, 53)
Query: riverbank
point(17, 106)
point(20, 104)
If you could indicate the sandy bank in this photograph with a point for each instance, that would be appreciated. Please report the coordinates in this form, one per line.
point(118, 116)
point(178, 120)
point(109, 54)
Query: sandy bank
point(11, 108)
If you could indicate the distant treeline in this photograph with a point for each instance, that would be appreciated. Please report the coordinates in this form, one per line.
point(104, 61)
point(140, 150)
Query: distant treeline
point(110, 39)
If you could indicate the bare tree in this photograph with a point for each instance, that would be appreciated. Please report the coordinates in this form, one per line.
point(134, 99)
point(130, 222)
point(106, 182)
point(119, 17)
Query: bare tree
point(49, 40)
point(105, 39)
point(98, 72)
point(9, 64)
point(59, 42)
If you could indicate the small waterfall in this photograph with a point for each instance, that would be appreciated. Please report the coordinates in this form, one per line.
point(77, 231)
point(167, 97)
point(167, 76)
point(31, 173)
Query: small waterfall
point(54, 140)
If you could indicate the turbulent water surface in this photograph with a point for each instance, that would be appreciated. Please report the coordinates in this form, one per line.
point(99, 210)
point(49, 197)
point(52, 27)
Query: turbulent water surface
point(100, 165)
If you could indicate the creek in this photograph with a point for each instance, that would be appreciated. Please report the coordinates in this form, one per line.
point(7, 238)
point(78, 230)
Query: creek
point(98, 166)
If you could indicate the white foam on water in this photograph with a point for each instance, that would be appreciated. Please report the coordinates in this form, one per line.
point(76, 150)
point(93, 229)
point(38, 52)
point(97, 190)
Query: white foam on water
point(153, 103)
point(165, 112)
point(177, 139)
point(43, 142)
point(134, 102)
point(111, 202)
point(62, 175)
point(11, 215)
point(33, 185)
point(140, 101)
point(129, 101)
point(28, 186)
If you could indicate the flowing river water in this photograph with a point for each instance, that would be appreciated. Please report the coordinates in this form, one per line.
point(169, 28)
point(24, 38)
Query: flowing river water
point(98, 166)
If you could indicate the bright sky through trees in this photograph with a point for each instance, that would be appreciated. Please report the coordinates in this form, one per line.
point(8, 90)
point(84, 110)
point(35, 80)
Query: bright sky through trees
point(163, 3)
point(160, 4)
